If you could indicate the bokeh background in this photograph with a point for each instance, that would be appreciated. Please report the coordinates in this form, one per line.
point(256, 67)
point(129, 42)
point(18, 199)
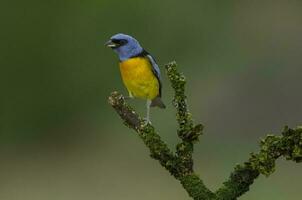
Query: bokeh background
point(59, 139)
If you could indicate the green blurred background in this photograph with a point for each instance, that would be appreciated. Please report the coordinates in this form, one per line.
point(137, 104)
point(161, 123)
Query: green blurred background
point(59, 139)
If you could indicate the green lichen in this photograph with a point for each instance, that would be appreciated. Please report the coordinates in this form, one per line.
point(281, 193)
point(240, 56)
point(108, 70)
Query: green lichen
point(238, 183)
point(158, 149)
point(186, 130)
point(271, 148)
point(180, 164)
point(196, 188)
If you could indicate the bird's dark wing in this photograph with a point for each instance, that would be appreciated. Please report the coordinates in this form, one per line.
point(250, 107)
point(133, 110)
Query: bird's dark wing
point(156, 71)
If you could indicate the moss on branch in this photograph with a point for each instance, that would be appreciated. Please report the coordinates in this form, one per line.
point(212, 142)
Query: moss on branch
point(186, 131)
point(180, 164)
point(158, 149)
point(272, 147)
point(176, 165)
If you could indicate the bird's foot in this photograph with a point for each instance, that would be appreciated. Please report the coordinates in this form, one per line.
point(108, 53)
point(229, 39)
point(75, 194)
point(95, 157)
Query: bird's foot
point(128, 97)
point(147, 121)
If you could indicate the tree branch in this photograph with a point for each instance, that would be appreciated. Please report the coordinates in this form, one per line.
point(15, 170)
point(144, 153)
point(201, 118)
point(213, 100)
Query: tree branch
point(158, 149)
point(180, 164)
point(187, 132)
point(288, 145)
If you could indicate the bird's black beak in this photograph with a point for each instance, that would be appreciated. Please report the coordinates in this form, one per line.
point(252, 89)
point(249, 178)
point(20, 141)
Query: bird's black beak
point(111, 44)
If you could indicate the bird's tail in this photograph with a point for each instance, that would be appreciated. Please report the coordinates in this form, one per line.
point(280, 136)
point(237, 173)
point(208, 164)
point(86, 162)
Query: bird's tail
point(157, 102)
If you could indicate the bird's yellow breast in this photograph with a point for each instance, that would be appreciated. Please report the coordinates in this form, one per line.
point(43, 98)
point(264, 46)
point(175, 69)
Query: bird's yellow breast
point(138, 78)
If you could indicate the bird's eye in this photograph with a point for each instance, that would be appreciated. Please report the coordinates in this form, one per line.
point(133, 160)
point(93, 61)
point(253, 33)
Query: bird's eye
point(119, 42)
point(122, 42)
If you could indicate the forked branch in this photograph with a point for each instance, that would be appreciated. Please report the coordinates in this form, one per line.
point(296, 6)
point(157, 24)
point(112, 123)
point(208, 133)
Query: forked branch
point(180, 164)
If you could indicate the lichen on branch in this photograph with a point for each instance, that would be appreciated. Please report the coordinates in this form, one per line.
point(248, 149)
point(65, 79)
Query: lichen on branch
point(158, 148)
point(272, 147)
point(180, 164)
point(186, 131)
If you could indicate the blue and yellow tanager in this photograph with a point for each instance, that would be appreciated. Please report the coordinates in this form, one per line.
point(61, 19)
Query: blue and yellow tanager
point(140, 73)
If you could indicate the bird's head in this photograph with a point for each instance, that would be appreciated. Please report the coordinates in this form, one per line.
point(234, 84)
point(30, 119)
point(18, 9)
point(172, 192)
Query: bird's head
point(124, 45)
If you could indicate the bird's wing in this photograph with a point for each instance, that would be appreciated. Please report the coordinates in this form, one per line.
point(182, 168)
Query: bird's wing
point(155, 70)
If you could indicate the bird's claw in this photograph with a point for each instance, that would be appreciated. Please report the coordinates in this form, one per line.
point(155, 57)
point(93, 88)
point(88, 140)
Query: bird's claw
point(146, 121)
point(128, 97)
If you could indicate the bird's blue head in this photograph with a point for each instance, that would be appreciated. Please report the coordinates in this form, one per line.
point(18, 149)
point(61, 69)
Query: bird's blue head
point(124, 45)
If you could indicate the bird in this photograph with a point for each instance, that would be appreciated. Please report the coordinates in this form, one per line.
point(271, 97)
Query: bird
point(139, 71)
